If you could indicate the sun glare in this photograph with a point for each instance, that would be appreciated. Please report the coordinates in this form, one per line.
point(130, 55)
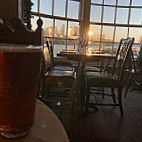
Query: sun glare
point(90, 33)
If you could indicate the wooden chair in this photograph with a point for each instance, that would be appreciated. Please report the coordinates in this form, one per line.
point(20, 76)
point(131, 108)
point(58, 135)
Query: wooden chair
point(134, 74)
point(112, 80)
point(55, 78)
point(17, 33)
point(57, 67)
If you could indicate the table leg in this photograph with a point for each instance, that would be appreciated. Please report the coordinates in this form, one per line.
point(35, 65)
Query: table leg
point(80, 96)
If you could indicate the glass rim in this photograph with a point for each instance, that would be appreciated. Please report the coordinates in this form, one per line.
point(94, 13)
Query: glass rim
point(6, 47)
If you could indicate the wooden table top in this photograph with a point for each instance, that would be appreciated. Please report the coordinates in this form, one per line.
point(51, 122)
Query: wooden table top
point(47, 128)
point(75, 55)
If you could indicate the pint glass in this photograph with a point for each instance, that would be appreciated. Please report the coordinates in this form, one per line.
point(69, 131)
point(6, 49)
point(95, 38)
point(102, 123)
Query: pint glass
point(19, 71)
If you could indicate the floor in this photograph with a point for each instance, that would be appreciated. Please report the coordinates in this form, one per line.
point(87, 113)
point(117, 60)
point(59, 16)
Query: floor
point(104, 125)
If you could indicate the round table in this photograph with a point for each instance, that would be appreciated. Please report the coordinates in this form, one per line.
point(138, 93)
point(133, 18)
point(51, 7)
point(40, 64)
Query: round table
point(47, 128)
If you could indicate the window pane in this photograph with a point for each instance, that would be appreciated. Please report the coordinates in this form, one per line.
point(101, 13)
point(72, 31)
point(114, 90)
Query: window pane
point(46, 6)
point(34, 22)
point(136, 16)
point(93, 45)
point(34, 6)
point(121, 32)
point(97, 1)
point(95, 14)
point(122, 15)
point(73, 9)
point(58, 45)
point(110, 2)
point(107, 34)
point(109, 14)
point(95, 29)
point(124, 2)
point(136, 33)
point(73, 30)
point(136, 2)
point(71, 44)
point(47, 27)
point(59, 7)
point(60, 28)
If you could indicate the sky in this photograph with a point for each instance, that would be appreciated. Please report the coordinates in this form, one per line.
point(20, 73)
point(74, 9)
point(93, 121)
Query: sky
point(59, 7)
point(109, 14)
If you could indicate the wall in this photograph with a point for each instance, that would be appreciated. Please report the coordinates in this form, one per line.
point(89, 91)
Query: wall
point(8, 9)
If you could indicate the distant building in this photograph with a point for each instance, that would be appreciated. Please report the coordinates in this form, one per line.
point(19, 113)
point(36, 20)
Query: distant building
point(63, 31)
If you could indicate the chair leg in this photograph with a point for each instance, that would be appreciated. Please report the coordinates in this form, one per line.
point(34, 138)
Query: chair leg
point(103, 96)
point(126, 77)
point(87, 99)
point(113, 95)
point(73, 100)
point(47, 91)
point(128, 86)
point(120, 101)
point(43, 91)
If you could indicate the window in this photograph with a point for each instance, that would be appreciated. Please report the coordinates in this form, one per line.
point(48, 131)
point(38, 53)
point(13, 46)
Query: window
point(46, 6)
point(34, 22)
point(73, 9)
point(96, 12)
point(59, 7)
point(137, 33)
point(60, 28)
point(110, 2)
point(119, 32)
point(124, 2)
point(48, 27)
point(96, 32)
point(136, 2)
point(61, 21)
point(109, 14)
point(136, 18)
point(35, 6)
point(107, 34)
point(110, 20)
point(97, 1)
point(73, 30)
point(121, 18)
point(122, 15)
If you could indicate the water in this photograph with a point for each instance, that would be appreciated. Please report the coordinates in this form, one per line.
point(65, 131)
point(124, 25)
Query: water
point(58, 47)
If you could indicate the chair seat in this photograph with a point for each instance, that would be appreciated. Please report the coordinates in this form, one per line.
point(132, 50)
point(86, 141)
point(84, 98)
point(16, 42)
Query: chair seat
point(63, 68)
point(98, 79)
point(136, 71)
point(92, 69)
point(60, 78)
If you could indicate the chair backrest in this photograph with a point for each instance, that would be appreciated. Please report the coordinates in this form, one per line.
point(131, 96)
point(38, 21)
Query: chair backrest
point(123, 53)
point(47, 62)
point(138, 61)
point(50, 47)
point(17, 33)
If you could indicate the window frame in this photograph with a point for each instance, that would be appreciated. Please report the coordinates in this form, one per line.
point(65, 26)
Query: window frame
point(83, 18)
point(52, 16)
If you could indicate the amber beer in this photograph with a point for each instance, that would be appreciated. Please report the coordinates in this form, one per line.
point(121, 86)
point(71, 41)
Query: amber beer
point(19, 71)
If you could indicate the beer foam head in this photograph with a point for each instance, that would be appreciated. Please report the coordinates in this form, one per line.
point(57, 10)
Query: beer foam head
point(19, 48)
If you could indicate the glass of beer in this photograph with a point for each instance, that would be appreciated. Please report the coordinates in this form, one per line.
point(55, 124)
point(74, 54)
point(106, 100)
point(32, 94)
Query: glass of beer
point(19, 72)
